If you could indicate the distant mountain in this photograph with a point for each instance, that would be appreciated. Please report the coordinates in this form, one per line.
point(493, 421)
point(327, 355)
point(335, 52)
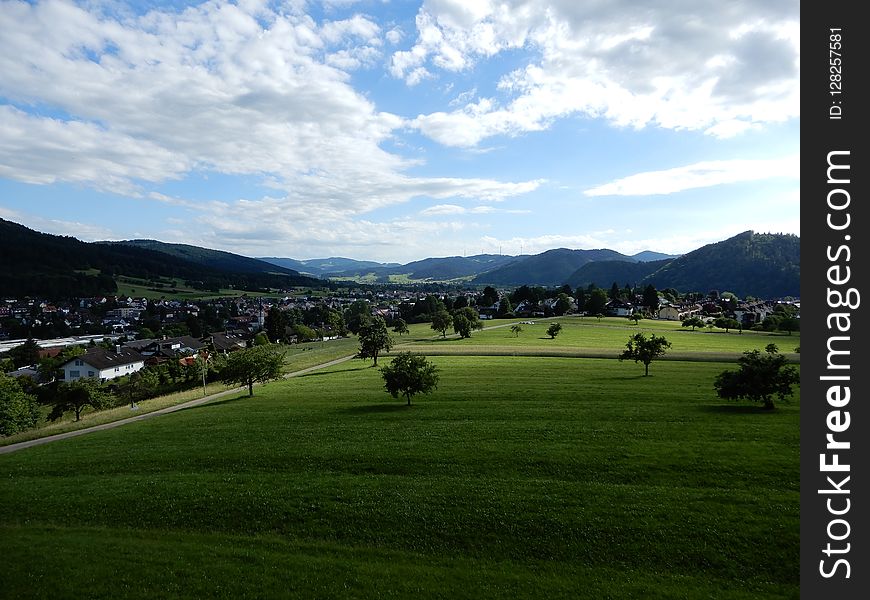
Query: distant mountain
point(603, 273)
point(650, 256)
point(321, 267)
point(40, 264)
point(549, 268)
point(446, 269)
point(765, 265)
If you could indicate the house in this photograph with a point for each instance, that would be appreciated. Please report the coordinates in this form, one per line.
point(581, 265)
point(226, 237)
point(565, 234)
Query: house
point(102, 364)
point(678, 313)
point(618, 308)
point(227, 341)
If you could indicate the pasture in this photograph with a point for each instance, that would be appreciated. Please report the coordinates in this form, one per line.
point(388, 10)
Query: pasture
point(519, 477)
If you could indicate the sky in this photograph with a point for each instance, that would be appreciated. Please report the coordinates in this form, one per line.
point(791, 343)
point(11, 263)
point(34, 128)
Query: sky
point(398, 130)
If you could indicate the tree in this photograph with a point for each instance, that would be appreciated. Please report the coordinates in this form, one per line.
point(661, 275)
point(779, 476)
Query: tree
point(464, 320)
point(26, 354)
point(759, 377)
point(409, 374)
point(18, 409)
point(441, 321)
point(76, 395)
point(615, 291)
point(489, 296)
point(400, 326)
point(635, 317)
point(252, 365)
point(651, 298)
point(562, 305)
point(516, 329)
point(726, 323)
point(357, 314)
point(596, 301)
point(504, 307)
point(693, 322)
point(275, 324)
point(644, 349)
point(374, 339)
point(141, 385)
point(553, 330)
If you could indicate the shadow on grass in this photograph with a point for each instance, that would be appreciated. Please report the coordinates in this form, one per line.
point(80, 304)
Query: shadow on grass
point(335, 372)
point(231, 400)
point(736, 409)
point(367, 409)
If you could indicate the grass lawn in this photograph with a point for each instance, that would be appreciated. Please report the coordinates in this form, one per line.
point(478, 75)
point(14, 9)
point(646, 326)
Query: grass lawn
point(519, 477)
point(606, 338)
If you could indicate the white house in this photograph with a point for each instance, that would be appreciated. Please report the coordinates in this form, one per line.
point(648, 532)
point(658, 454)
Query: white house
point(102, 364)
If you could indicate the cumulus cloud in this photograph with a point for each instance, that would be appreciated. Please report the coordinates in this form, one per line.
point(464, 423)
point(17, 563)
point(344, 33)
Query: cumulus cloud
point(119, 102)
point(720, 68)
point(698, 175)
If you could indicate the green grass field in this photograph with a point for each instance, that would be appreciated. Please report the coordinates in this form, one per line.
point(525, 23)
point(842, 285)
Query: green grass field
point(518, 477)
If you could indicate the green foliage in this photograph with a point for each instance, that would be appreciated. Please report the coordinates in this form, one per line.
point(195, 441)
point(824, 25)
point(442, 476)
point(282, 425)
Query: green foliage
point(516, 329)
point(726, 323)
point(357, 314)
point(409, 374)
point(759, 378)
point(554, 329)
point(504, 307)
point(374, 339)
point(400, 327)
point(261, 339)
point(693, 322)
point(18, 409)
point(464, 320)
point(562, 305)
point(275, 324)
point(596, 301)
point(441, 320)
point(24, 355)
point(635, 317)
point(651, 298)
point(644, 349)
point(258, 364)
point(304, 332)
point(76, 396)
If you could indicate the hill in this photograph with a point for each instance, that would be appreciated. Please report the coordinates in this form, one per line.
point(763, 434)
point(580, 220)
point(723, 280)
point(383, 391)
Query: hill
point(765, 265)
point(321, 267)
point(451, 268)
point(214, 259)
point(650, 256)
point(604, 272)
point(552, 267)
point(41, 264)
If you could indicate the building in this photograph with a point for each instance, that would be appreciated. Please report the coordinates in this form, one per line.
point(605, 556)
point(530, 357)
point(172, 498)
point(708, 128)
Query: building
point(102, 364)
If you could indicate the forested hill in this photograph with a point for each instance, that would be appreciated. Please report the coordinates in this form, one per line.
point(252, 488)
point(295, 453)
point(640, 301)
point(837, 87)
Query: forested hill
point(53, 266)
point(552, 267)
point(764, 265)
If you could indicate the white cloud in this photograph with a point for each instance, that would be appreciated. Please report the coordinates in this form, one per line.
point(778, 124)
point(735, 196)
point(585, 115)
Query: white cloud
point(455, 209)
point(122, 103)
point(698, 175)
point(709, 66)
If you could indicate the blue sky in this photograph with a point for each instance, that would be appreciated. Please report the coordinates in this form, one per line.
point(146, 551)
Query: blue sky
point(394, 131)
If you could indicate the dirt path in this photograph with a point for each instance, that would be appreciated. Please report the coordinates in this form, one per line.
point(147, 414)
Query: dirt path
point(169, 409)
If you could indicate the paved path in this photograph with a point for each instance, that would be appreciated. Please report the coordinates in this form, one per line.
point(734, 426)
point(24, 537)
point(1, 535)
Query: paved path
point(162, 411)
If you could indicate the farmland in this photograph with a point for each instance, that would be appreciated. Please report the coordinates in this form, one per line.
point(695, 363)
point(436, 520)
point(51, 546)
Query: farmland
point(520, 476)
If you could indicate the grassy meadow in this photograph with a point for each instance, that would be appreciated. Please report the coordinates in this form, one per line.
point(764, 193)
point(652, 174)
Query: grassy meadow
point(521, 476)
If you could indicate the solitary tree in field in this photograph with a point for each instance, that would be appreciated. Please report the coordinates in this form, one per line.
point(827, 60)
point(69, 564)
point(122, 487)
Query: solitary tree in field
point(726, 323)
point(759, 377)
point(644, 349)
point(635, 317)
point(441, 321)
point(409, 374)
point(76, 395)
point(693, 322)
point(374, 339)
point(516, 328)
point(400, 326)
point(252, 365)
point(553, 330)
